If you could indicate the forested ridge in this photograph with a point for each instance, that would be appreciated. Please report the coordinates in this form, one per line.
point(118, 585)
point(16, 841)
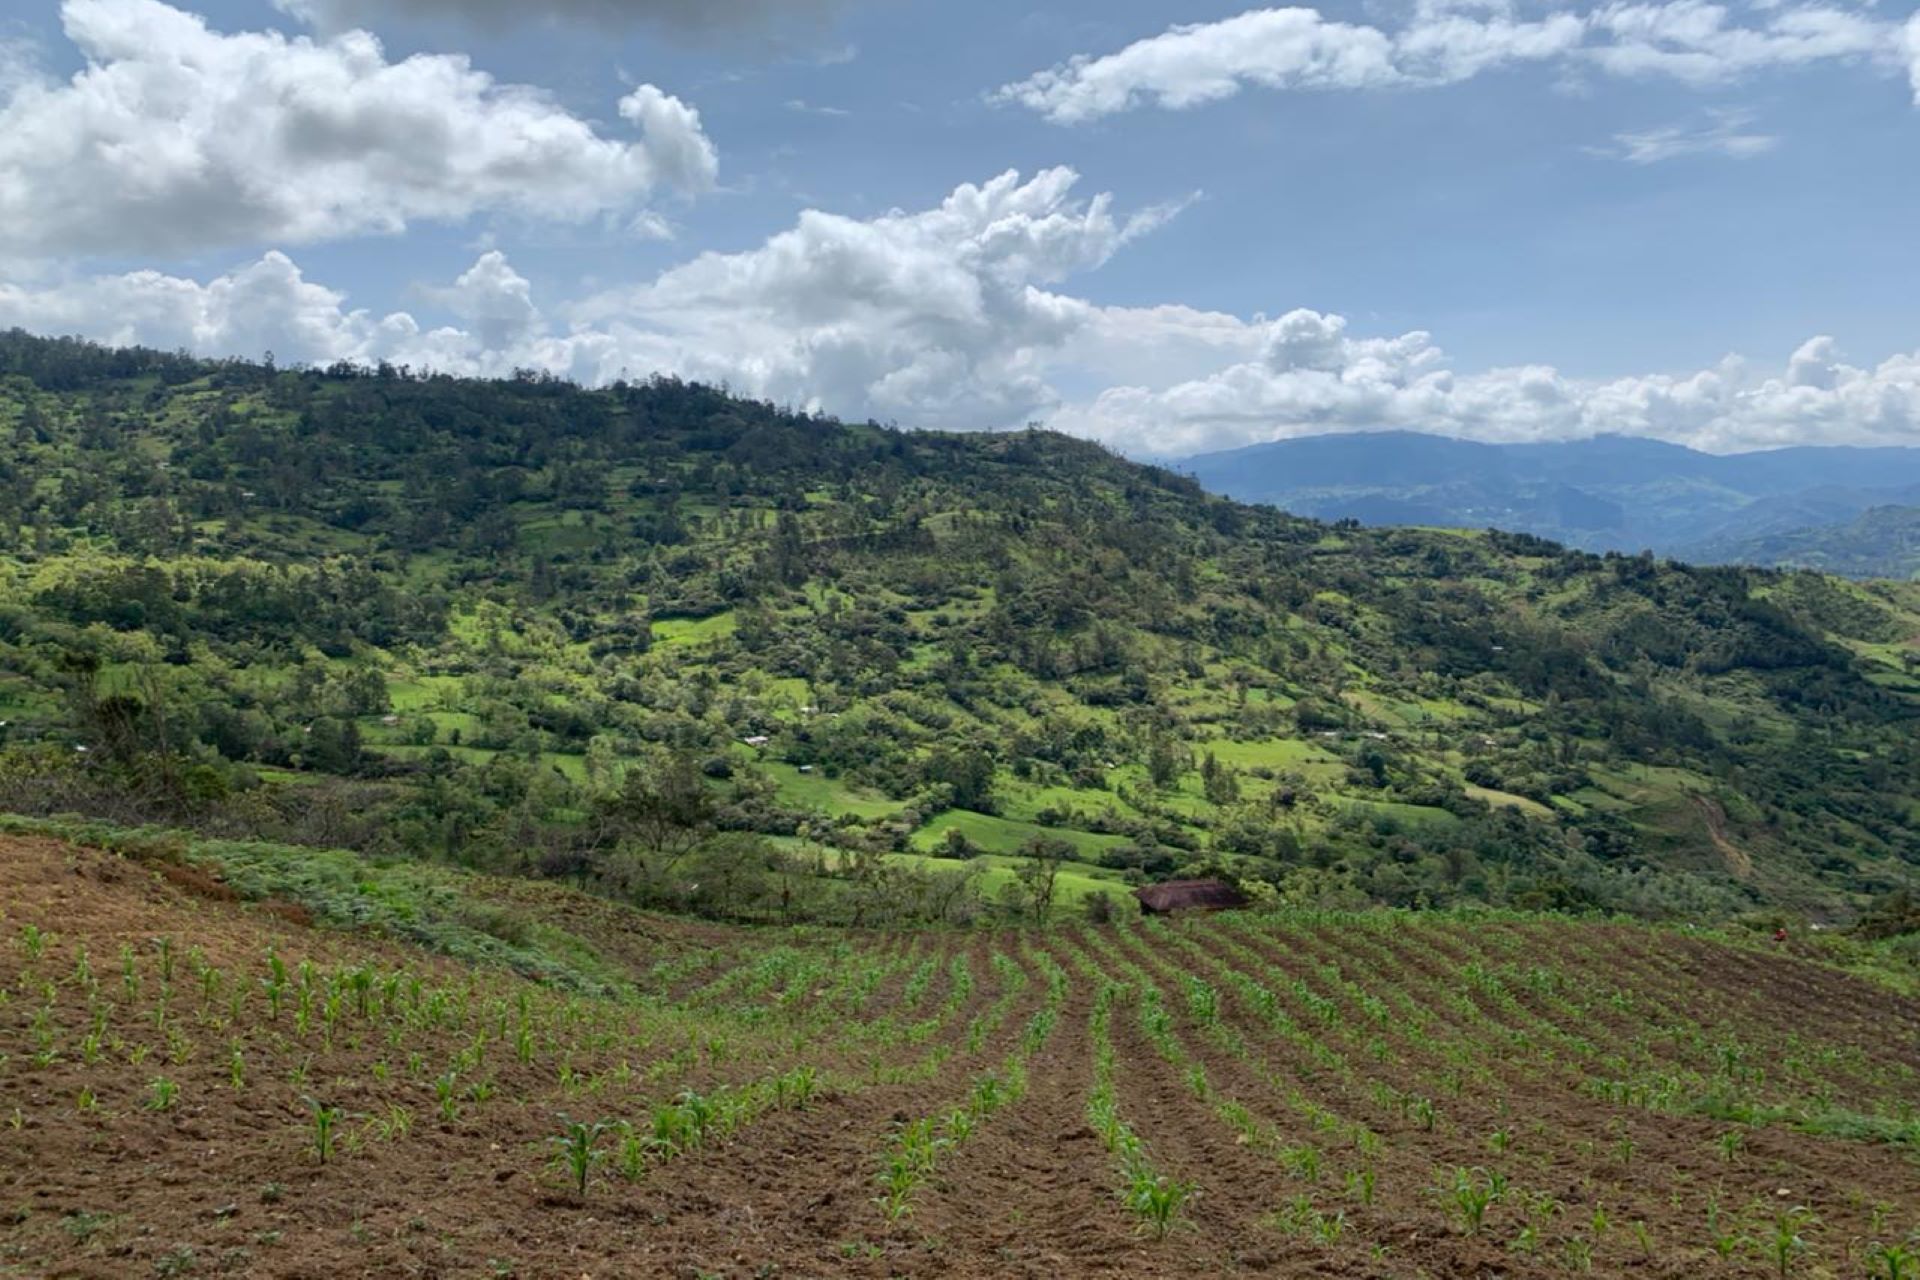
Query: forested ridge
point(697, 651)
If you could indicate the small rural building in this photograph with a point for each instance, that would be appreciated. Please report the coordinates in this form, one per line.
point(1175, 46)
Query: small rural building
point(1188, 895)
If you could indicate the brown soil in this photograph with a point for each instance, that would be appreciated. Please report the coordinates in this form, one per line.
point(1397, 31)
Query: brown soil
point(224, 1181)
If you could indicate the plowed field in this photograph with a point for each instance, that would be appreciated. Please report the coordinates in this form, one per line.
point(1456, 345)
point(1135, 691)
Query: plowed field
point(190, 1085)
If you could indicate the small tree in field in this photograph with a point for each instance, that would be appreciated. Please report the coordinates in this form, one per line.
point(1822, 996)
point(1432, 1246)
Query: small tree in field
point(1040, 874)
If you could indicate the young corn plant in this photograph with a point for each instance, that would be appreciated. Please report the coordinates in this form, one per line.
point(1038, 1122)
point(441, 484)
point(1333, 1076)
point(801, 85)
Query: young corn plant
point(796, 1088)
point(1469, 1195)
point(1894, 1261)
point(446, 1091)
point(1299, 1215)
point(578, 1151)
point(1724, 1239)
point(1303, 1162)
point(669, 1132)
point(1203, 1001)
point(209, 983)
point(326, 1120)
point(397, 1123)
point(1789, 1237)
point(523, 1044)
point(908, 1163)
point(631, 1155)
point(1155, 1198)
point(899, 1177)
point(698, 1112)
point(33, 940)
point(44, 1038)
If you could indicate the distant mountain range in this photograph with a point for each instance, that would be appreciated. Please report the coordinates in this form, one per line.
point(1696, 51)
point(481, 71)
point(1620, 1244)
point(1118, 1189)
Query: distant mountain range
point(1883, 542)
point(1846, 510)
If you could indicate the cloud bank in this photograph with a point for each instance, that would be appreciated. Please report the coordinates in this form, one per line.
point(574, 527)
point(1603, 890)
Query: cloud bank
point(176, 137)
point(1299, 49)
point(956, 316)
point(1308, 376)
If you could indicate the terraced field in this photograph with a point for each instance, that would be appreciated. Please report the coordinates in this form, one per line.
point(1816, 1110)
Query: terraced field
point(193, 1085)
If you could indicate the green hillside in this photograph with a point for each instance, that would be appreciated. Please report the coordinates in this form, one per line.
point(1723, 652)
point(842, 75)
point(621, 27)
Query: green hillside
point(700, 652)
point(1882, 542)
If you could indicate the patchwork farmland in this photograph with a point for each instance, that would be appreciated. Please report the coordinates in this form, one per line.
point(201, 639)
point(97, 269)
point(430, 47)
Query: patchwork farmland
point(193, 1084)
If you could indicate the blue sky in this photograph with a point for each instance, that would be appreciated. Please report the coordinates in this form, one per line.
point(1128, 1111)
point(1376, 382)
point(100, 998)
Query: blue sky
point(1490, 219)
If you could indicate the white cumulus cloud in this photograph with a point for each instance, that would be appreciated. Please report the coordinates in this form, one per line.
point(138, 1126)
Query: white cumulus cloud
point(960, 315)
point(1910, 49)
point(1697, 42)
point(1309, 376)
point(176, 137)
point(939, 316)
point(1441, 44)
point(265, 306)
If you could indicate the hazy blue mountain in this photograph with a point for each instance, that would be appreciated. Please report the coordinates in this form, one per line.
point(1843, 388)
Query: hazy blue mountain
point(1605, 493)
point(1882, 542)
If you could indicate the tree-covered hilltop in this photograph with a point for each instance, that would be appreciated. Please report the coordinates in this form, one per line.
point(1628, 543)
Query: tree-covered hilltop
point(1881, 542)
point(704, 651)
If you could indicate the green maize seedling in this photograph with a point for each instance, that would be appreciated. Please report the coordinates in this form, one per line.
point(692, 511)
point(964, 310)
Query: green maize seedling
point(630, 1158)
point(1302, 1162)
point(579, 1151)
point(1724, 1242)
point(397, 1124)
point(1789, 1238)
point(1470, 1193)
point(1895, 1262)
point(898, 1178)
point(1157, 1199)
point(325, 1120)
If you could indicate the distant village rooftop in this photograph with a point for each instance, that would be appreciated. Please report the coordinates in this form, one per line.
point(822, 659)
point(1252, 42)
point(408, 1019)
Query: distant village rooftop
point(1189, 895)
